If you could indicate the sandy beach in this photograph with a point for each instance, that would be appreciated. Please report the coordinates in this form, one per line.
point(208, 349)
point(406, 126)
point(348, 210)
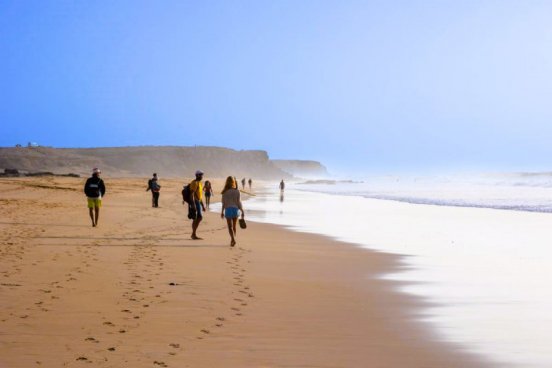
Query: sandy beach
point(137, 292)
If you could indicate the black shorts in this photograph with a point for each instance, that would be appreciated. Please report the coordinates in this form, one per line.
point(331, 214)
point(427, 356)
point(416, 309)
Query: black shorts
point(195, 213)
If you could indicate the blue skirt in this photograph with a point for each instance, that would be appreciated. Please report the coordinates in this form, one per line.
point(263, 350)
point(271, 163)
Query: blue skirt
point(231, 212)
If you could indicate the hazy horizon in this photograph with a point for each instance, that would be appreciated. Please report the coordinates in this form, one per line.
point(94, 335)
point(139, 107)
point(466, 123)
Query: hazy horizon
point(362, 86)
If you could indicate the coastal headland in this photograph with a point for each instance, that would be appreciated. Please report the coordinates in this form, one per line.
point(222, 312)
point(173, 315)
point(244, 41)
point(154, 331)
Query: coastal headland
point(168, 161)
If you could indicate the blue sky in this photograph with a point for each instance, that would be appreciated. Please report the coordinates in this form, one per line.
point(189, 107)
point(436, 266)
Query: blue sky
point(380, 85)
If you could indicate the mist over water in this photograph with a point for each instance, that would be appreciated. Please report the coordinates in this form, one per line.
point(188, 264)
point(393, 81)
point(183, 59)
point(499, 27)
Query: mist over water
point(484, 269)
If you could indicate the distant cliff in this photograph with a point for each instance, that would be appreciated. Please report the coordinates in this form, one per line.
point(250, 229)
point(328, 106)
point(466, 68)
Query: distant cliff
point(168, 161)
point(302, 168)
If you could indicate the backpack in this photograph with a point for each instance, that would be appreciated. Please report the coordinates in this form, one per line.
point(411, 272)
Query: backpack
point(92, 188)
point(187, 194)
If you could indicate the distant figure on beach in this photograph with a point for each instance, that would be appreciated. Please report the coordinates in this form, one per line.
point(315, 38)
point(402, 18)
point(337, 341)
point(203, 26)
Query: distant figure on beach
point(243, 183)
point(196, 205)
point(231, 204)
point(94, 189)
point(208, 190)
point(282, 187)
point(250, 182)
point(153, 185)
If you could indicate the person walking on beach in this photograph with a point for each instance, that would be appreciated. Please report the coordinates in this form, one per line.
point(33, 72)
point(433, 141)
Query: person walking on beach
point(231, 204)
point(94, 189)
point(208, 190)
point(282, 186)
point(243, 183)
point(153, 185)
point(196, 205)
point(250, 182)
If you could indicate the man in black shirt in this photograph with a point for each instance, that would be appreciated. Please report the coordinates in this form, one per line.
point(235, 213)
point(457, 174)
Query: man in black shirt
point(155, 188)
point(94, 190)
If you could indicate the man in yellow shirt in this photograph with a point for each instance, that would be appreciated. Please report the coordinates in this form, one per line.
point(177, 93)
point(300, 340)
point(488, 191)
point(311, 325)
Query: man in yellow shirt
point(196, 207)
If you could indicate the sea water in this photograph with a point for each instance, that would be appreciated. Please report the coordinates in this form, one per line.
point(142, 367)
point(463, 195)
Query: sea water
point(477, 249)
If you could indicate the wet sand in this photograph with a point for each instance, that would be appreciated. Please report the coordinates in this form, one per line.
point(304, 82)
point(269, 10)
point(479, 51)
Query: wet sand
point(137, 292)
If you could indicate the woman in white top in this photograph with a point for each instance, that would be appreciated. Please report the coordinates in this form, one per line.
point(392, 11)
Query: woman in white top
point(231, 203)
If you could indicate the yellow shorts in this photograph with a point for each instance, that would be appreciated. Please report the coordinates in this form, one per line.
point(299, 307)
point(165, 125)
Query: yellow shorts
point(94, 202)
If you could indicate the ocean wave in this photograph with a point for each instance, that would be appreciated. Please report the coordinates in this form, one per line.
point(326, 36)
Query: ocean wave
point(513, 192)
point(546, 208)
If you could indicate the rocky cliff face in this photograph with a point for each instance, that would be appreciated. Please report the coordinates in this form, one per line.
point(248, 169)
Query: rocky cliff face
point(168, 161)
point(302, 168)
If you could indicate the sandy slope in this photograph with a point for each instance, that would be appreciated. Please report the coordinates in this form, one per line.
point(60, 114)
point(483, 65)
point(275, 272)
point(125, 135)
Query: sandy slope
point(137, 292)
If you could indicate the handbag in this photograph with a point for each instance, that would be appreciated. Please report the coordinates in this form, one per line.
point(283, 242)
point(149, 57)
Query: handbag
point(243, 225)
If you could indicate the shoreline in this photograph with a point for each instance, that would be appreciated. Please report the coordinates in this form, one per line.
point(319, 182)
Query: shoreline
point(74, 294)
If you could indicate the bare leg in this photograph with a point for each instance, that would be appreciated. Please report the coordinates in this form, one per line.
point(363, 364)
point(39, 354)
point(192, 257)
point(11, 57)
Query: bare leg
point(97, 212)
point(230, 231)
point(234, 221)
point(91, 212)
point(195, 225)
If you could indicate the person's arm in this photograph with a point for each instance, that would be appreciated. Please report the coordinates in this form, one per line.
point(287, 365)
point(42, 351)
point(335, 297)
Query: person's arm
point(193, 189)
point(85, 187)
point(240, 206)
point(201, 201)
point(223, 207)
point(102, 187)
